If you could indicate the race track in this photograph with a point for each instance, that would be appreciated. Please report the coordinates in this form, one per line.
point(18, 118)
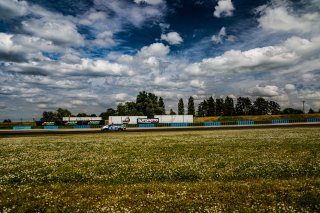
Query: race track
point(34, 132)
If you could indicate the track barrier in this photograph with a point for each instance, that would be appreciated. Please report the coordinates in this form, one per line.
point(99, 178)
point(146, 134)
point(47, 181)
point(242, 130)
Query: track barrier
point(212, 124)
point(281, 121)
point(245, 123)
point(179, 124)
point(81, 126)
point(313, 120)
point(206, 124)
point(50, 127)
point(21, 127)
point(146, 125)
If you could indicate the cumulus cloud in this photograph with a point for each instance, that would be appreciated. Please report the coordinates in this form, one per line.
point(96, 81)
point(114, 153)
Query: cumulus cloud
point(58, 31)
point(284, 55)
point(224, 8)
point(104, 39)
point(124, 13)
point(152, 2)
point(12, 8)
point(23, 48)
point(264, 91)
point(222, 36)
point(87, 67)
point(290, 87)
point(172, 38)
point(155, 49)
point(280, 20)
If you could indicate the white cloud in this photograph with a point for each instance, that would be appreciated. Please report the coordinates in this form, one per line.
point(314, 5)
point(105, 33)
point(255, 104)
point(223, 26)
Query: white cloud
point(87, 67)
point(290, 87)
point(12, 8)
point(93, 17)
point(155, 49)
point(151, 2)
point(282, 57)
point(58, 31)
point(218, 39)
point(104, 39)
point(125, 13)
point(172, 38)
point(196, 83)
point(23, 48)
point(280, 20)
point(264, 91)
point(224, 8)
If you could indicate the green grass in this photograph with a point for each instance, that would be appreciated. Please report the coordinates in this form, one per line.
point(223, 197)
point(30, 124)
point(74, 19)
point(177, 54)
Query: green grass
point(273, 170)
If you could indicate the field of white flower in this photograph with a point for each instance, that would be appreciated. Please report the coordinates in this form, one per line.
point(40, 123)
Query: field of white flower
point(274, 170)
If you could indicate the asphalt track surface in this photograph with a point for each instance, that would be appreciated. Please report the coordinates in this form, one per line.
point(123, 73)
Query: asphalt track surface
point(34, 132)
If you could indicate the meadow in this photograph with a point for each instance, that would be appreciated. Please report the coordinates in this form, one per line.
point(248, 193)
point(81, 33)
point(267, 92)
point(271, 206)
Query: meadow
point(249, 170)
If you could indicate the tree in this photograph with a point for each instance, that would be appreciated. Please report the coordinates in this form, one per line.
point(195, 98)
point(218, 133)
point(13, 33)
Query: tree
point(49, 116)
point(93, 115)
point(311, 111)
point(172, 112)
point(110, 112)
point(211, 107)
point(180, 107)
point(228, 109)
point(274, 108)
point(260, 106)
point(219, 106)
point(82, 114)
point(161, 109)
point(122, 110)
point(292, 111)
point(191, 109)
point(7, 121)
point(203, 109)
point(63, 113)
point(243, 106)
point(147, 103)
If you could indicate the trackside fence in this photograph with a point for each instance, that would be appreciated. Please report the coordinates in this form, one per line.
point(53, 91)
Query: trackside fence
point(177, 125)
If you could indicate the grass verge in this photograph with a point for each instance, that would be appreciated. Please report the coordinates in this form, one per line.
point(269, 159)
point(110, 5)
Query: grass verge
point(208, 171)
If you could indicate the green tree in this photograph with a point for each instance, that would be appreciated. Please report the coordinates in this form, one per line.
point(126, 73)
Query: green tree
point(172, 112)
point(162, 109)
point(82, 114)
point(191, 109)
point(274, 108)
point(243, 106)
point(292, 111)
point(228, 109)
point(122, 110)
point(211, 107)
point(203, 109)
point(49, 116)
point(311, 111)
point(219, 106)
point(147, 103)
point(180, 107)
point(63, 113)
point(109, 112)
point(260, 106)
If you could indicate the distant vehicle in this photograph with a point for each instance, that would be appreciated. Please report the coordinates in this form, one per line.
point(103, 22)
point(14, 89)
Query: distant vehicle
point(113, 128)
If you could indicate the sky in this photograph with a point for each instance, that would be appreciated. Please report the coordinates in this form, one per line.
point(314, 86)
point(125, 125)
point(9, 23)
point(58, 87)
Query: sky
point(90, 55)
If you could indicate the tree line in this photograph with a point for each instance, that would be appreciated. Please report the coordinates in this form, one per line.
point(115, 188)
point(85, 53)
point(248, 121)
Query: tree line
point(148, 104)
point(227, 107)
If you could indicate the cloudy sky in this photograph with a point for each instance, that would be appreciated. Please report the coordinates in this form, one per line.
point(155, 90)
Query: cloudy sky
point(89, 55)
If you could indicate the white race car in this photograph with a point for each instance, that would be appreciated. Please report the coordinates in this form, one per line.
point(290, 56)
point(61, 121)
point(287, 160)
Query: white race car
point(112, 127)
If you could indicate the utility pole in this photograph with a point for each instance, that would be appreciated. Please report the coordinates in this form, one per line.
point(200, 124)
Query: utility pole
point(303, 106)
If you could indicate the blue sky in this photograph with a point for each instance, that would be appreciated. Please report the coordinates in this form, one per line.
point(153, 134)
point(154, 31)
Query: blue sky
point(90, 55)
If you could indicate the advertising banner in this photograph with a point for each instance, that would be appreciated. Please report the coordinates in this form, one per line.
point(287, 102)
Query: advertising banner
point(148, 120)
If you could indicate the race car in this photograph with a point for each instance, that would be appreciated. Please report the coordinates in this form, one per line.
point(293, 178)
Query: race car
point(112, 127)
